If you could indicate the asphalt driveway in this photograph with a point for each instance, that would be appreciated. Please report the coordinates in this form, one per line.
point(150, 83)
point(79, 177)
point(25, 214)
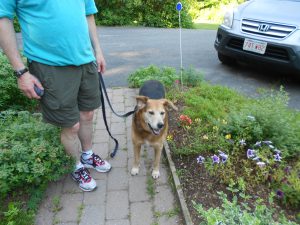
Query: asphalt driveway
point(127, 49)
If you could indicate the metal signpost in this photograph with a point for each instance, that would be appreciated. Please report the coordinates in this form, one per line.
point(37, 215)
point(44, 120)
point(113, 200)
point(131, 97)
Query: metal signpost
point(179, 8)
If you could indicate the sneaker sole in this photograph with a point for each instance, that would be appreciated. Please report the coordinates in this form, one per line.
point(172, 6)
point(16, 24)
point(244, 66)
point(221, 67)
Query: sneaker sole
point(99, 170)
point(86, 190)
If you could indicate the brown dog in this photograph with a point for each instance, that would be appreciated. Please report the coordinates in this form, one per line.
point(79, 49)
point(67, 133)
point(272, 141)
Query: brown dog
point(150, 123)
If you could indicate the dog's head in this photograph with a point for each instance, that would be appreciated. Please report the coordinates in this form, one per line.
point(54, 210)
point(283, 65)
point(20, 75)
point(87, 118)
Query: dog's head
point(154, 112)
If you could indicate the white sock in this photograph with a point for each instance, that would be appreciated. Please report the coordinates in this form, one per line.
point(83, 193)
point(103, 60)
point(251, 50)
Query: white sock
point(87, 154)
point(78, 166)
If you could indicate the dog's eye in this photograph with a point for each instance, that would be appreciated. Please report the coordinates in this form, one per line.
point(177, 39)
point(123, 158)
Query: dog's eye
point(151, 112)
point(162, 113)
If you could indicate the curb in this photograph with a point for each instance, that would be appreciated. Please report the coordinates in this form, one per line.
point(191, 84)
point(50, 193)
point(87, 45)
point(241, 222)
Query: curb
point(179, 192)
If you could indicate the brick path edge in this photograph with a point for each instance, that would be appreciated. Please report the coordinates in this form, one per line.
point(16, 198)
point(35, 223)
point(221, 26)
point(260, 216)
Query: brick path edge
point(179, 191)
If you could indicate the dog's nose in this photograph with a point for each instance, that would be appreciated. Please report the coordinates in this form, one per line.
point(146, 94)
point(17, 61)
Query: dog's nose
point(160, 125)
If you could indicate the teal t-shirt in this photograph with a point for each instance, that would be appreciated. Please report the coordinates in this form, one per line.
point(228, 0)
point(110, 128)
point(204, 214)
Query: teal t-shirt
point(55, 32)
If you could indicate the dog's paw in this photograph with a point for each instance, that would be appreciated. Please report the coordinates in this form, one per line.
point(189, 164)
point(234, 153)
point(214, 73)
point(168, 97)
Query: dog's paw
point(135, 171)
point(155, 174)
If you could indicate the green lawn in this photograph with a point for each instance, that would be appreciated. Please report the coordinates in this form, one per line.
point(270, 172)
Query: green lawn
point(206, 26)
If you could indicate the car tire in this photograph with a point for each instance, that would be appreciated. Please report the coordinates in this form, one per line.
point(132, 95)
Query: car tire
point(226, 59)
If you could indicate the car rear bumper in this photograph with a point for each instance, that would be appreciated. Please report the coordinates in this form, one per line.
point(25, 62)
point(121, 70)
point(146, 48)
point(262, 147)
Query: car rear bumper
point(281, 55)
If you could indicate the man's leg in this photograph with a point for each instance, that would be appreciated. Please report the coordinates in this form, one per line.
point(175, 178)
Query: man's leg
point(71, 143)
point(69, 139)
point(85, 134)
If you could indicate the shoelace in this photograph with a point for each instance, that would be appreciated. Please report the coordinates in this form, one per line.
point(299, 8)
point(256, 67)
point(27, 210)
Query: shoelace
point(84, 174)
point(97, 158)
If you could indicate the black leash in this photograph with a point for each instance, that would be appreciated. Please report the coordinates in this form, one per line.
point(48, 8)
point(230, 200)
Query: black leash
point(104, 93)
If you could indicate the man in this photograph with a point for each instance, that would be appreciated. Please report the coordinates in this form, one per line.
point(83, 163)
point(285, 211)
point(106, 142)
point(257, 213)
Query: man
point(64, 56)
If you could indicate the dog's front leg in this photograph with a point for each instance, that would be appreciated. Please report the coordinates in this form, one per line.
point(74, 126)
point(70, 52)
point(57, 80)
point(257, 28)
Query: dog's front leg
point(136, 162)
point(158, 150)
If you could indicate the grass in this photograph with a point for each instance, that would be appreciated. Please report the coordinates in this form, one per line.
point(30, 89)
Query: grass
point(206, 26)
point(150, 186)
point(80, 211)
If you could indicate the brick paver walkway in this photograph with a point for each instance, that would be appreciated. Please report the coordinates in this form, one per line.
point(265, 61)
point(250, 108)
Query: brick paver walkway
point(120, 199)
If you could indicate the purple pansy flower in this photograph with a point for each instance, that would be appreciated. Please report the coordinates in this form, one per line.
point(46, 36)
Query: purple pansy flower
point(200, 159)
point(223, 156)
point(279, 193)
point(215, 159)
point(258, 144)
point(287, 170)
point(277, 157)
point(250, 153)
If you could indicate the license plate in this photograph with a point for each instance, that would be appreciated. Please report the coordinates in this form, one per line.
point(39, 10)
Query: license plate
point(255, 46)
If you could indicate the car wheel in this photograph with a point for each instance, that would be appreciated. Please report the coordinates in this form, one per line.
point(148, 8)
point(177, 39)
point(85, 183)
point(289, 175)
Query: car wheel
point(226, 59)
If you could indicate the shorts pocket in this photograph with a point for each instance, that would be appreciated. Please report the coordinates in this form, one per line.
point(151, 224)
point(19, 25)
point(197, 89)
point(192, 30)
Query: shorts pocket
point(49, 99)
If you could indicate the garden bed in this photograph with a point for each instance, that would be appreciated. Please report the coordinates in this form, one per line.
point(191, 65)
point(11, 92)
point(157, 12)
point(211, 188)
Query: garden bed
point(202, 186)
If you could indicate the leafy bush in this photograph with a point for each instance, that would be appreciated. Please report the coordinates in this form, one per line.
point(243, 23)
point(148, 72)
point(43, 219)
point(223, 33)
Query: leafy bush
point(16, 215)
point(286, 181)
point(146, 13)
point(31, 153)
point(166, 75)
point(191, 78)
point(272, 120)
point(233, 213)
point(11, 96)
point(211, 102)
point(17, 25)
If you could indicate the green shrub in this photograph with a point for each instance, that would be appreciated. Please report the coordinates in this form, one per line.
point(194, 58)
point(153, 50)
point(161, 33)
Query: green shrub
point(151, 13)
point(16, 215)
point(272, 120)
point(191, 78)
point(210, 102)
point(11, 96)
point(30, 152)
point(17, 25)
point(233, 213)
point(166, 75)
point(286, 180)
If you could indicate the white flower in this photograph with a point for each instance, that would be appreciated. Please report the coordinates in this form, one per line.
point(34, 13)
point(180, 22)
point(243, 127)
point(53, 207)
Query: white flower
point(242, 142)
point(252, 118)
point(261, 164)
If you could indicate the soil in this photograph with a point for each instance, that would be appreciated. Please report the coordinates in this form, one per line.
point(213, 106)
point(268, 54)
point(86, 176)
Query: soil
point(199, 186)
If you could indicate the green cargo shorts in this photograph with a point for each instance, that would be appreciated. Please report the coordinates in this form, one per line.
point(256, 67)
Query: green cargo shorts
point(67, 91)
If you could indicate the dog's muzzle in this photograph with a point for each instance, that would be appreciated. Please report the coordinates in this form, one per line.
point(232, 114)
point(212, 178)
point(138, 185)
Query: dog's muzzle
point(156, 131)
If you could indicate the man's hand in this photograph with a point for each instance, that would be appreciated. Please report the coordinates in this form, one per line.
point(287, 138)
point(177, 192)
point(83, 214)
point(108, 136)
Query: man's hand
point(100, 62)
point(26, 84)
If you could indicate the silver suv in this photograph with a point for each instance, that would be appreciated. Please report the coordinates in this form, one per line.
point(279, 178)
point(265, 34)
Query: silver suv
point(261, 31)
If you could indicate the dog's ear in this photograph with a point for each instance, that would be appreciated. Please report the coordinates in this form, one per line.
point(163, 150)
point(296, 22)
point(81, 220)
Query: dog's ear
point(141, 101)
point(169, 105)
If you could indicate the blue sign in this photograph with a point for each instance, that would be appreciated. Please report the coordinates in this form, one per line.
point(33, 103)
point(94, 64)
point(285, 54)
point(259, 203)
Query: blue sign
point(179, 6)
